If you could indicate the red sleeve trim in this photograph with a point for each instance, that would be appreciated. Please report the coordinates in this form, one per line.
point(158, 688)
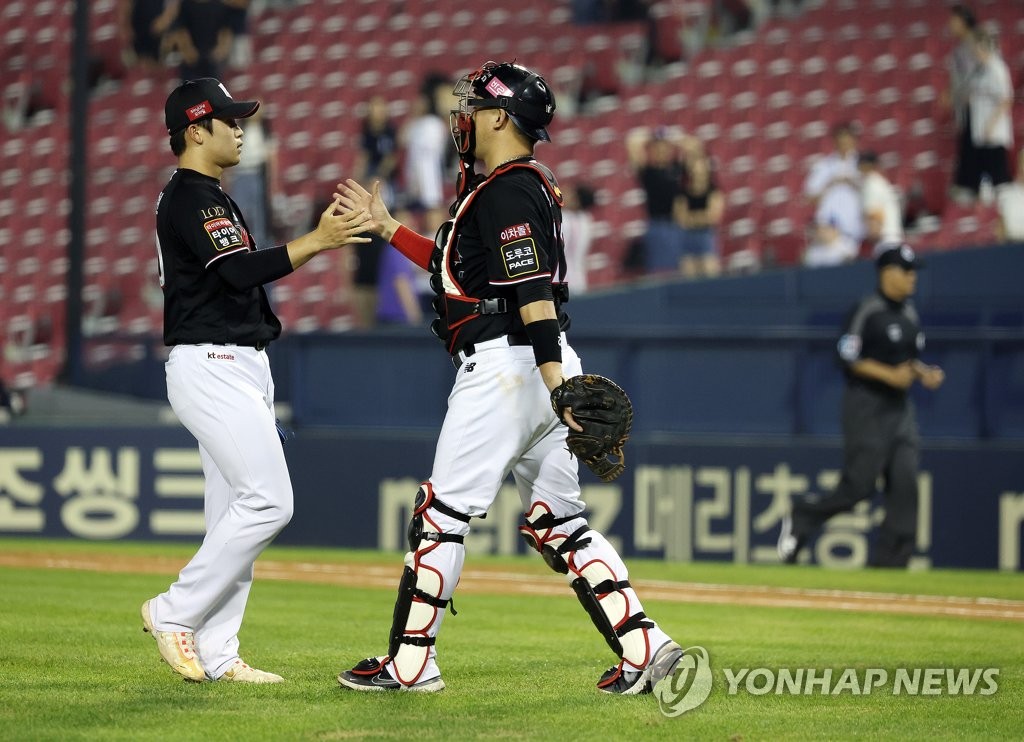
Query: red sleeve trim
point(414, 246)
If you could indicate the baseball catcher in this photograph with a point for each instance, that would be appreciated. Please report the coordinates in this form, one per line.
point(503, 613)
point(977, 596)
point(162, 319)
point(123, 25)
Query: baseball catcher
point(498, 270)
point(603, 410)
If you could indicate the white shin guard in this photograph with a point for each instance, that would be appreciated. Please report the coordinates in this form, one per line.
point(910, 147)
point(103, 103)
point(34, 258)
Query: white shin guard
point(599, 578)
point(432, 569)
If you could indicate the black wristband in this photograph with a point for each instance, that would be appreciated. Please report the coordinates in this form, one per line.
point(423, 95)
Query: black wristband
point(544, 336)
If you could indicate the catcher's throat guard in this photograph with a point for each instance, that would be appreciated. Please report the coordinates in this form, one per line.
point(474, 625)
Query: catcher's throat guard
point(605, 413)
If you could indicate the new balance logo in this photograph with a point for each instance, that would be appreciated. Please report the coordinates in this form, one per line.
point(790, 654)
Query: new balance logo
point(470, 367)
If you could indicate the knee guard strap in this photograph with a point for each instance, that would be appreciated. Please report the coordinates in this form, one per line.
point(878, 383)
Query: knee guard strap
point(539, 534)
point(420, 603)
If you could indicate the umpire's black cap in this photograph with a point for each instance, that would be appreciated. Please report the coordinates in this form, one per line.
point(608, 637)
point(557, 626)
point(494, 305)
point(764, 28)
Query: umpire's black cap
point(203, 98)
point(900, 254)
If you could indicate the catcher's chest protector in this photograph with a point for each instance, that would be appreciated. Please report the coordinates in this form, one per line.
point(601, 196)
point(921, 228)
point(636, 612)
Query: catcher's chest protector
point(454, 305)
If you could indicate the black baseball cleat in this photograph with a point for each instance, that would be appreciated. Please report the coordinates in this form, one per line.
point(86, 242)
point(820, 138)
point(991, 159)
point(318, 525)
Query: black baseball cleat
point(624, 682)
point(372, 675)
point(637, 682)
point(790, 544)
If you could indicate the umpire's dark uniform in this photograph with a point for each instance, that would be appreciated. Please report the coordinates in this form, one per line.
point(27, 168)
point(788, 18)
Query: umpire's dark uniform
point(879, 429)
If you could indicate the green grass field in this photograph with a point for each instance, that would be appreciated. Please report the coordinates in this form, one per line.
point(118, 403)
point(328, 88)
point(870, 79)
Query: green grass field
point(74, 663)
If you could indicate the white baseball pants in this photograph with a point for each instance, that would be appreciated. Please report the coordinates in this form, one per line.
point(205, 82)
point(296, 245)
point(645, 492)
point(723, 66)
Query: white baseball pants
point(500, 420)
point(224, 396)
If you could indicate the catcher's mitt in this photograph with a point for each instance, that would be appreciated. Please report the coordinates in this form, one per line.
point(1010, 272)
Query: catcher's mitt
point(606, 415)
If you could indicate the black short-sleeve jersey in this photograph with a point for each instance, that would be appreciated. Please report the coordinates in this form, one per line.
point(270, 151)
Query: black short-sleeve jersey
point(507, 245)
point(883, 330)
point(197, 225)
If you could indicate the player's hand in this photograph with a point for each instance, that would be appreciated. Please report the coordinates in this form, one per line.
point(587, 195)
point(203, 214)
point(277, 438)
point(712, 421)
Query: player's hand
point(932, 377)
point(551, 373)
point(903, 375)
point(354, 196)
point(342, 228)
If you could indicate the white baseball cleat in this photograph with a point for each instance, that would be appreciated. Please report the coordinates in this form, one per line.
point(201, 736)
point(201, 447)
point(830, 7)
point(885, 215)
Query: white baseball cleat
point(177, 648)
point(240, 672)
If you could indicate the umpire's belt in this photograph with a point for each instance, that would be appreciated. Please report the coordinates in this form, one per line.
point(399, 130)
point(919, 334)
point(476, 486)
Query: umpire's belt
point(515, 338)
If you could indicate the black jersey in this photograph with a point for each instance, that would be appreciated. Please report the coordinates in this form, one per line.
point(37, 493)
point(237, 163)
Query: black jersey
point(883, 330)
point(507, 244)
point(197, 224)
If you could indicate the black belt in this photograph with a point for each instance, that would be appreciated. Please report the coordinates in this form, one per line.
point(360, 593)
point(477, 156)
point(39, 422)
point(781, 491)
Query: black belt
point(513, 338)
point(258, 345)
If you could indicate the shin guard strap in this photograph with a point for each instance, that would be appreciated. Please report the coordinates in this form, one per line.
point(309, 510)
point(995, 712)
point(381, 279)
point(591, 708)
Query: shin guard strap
point(418, 641)
point(441, 537)
point(636, 621)
point(610, 586)
point(574, 541)
point(435, 601)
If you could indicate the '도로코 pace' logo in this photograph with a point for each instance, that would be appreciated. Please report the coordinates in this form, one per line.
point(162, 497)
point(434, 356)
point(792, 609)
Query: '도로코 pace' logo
point(687, 686)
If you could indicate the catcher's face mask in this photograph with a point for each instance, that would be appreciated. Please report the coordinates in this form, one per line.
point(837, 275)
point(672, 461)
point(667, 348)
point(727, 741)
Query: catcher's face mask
point(461, 119)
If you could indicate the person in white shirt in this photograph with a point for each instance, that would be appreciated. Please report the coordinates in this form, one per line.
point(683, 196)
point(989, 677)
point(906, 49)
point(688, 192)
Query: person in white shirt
point(426, 139)
point(960, 63)
point(577, 234)
point(833, 185)
point(883, 220)
point(990, 102)
point(1010, 200)
point(829, 246)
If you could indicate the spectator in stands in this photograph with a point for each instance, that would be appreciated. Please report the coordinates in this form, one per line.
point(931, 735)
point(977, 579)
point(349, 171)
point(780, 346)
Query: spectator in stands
point(990, 101)
point(882, 219)
point(238, 21)
point(253, 181)
point(398, 286)
point(828, 246)
point(655, 157)
point(376, 160)
point(698, 210)
point(960, 62)
point(577, 234)
point(1011, 206)
point(12, 403)
point(202, 37)
point(144, 24)
point(426, 142)
point(833, 185)
point(734, 16)
point(585, 12)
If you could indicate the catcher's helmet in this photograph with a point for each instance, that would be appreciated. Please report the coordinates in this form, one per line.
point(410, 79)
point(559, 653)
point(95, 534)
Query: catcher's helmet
point(521, 92)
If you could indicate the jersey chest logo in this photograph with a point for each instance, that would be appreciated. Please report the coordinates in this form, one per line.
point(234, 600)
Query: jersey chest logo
point(895, 332)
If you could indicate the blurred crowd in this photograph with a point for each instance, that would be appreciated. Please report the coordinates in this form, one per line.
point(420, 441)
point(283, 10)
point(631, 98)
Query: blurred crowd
point(857, 209)
point(856, 206)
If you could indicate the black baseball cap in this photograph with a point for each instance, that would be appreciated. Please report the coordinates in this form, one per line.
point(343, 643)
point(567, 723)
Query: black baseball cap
point(203, 98)
point(900, 254)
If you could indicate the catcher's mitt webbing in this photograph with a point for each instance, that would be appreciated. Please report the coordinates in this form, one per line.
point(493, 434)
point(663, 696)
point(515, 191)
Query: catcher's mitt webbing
point(605, 413)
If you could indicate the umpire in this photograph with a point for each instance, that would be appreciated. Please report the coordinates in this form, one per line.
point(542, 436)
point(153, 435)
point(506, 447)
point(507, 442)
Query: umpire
point(879, 353)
